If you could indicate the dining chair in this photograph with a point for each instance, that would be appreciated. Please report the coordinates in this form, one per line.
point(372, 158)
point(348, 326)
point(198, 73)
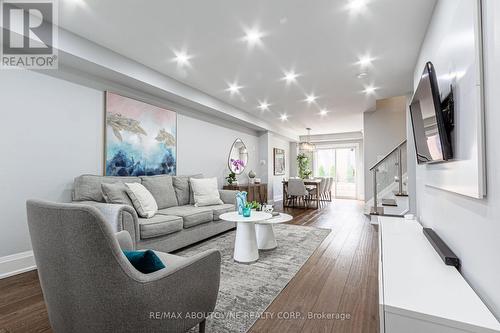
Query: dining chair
point(329, 189)
point(322, 188)
point(296, 191)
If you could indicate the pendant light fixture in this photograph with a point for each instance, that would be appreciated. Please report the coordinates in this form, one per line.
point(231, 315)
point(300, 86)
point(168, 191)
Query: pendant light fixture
point(307, 145)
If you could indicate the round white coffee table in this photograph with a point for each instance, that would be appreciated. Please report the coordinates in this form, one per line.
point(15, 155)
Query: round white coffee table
point(245, 244)
point(265, 232)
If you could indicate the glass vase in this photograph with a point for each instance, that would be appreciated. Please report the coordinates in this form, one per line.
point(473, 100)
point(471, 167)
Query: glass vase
point(241, 201)
point(247, 211)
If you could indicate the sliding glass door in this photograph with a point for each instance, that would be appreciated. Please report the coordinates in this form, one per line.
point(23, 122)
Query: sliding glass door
point(340, 164)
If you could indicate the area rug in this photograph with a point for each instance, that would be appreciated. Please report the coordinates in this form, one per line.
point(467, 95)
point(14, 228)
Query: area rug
point(246, 290)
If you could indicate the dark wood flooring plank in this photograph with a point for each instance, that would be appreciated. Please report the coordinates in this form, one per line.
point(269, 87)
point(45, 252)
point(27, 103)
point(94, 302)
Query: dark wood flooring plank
point(304, 290)
point(357, 257)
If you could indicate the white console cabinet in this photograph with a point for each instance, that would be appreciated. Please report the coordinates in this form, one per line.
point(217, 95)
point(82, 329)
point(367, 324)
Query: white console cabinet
point(418, 293)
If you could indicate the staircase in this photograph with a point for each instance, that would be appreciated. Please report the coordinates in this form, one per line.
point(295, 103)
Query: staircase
point(390, 179)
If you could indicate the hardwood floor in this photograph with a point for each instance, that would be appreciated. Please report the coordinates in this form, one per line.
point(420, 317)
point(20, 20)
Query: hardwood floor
point(340, 279)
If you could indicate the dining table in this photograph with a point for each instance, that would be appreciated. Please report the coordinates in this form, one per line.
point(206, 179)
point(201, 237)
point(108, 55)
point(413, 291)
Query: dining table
point(307, 182)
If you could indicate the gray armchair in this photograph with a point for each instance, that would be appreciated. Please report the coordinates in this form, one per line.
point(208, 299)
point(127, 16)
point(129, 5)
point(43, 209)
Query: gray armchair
point(90, 286)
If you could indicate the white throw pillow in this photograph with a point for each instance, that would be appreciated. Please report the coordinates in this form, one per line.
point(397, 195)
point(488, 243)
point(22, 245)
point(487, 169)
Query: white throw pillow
point(205, 191)
point(143, 201)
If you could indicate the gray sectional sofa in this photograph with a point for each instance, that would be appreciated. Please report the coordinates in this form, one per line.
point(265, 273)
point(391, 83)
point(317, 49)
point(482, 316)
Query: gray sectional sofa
point(178, 222)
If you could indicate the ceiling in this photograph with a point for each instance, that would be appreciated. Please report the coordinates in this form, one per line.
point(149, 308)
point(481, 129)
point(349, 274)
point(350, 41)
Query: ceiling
point(320, 40)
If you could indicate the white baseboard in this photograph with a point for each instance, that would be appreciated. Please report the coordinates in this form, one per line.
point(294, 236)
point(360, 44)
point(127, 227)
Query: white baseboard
point(16, 264)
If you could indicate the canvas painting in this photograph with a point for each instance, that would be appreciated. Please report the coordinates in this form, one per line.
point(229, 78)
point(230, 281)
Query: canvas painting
point(279, 161)
point(140, 138)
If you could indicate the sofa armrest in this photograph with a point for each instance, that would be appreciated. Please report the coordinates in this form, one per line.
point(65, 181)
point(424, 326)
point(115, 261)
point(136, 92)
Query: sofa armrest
point(191, 287)
point(120, 217)
point(125, 241)
point(228, 196)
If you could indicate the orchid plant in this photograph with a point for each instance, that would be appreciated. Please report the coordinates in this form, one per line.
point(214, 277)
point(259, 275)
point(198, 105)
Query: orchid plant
point(237, 164)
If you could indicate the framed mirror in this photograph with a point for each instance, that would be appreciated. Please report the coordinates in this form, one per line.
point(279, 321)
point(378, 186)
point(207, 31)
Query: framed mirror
point(238, 157)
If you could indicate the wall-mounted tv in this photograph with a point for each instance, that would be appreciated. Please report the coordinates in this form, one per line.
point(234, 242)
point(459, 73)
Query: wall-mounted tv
point(432, 120)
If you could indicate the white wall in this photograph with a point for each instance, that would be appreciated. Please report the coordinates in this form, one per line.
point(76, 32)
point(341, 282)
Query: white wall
point(471, 227)
point(204, 147)
point(452, 44)
point(383, 130)
point(275, 186)
point(293, 170)
point(52, 131)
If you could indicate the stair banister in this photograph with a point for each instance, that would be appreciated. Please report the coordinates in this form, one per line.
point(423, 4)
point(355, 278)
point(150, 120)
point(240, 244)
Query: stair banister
point(398, 155)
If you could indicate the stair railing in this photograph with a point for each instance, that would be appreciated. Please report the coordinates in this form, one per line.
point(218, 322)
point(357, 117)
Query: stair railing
point(386, 172)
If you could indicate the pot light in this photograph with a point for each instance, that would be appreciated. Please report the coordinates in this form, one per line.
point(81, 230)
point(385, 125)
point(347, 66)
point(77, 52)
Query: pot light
point(311, 98)
point(182, 58)
point(362, 75)
point(365, 61)
point(253, 36)
point(74, 3)
point(284, 117)
point(264, 106)
point(290, 77)
point(234, 88)
point(323, 112)
point(369, 90)
point(356, 5)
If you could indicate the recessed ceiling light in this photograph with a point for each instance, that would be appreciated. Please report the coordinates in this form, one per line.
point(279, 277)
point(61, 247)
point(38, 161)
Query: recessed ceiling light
point(264, 106)
point(234, 88)
point(362, 75)
point(253, 37)
point(365, 61)
point(356, 5)
point(80, 3)
point(311, 98)
point(182, 58)
point(290, 77)
point(323, 112)
point(284, 117)
point(369, 90)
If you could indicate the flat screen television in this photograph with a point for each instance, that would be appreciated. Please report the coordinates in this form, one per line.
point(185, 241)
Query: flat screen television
point(432, 120)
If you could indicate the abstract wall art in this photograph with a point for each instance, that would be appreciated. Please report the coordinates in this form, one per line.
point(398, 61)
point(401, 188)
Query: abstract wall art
point(140, 138)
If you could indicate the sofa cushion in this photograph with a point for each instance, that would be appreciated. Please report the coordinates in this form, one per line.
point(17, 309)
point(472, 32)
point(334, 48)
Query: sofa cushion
point(170, 260)
point(205, 192)
point(88, 187)
point(162, 189)
point(218, 210)
point(191, 193)
point(191, 215)
point(116, 193)
point(181, 187)
point(159, 225)
point(144, 202)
